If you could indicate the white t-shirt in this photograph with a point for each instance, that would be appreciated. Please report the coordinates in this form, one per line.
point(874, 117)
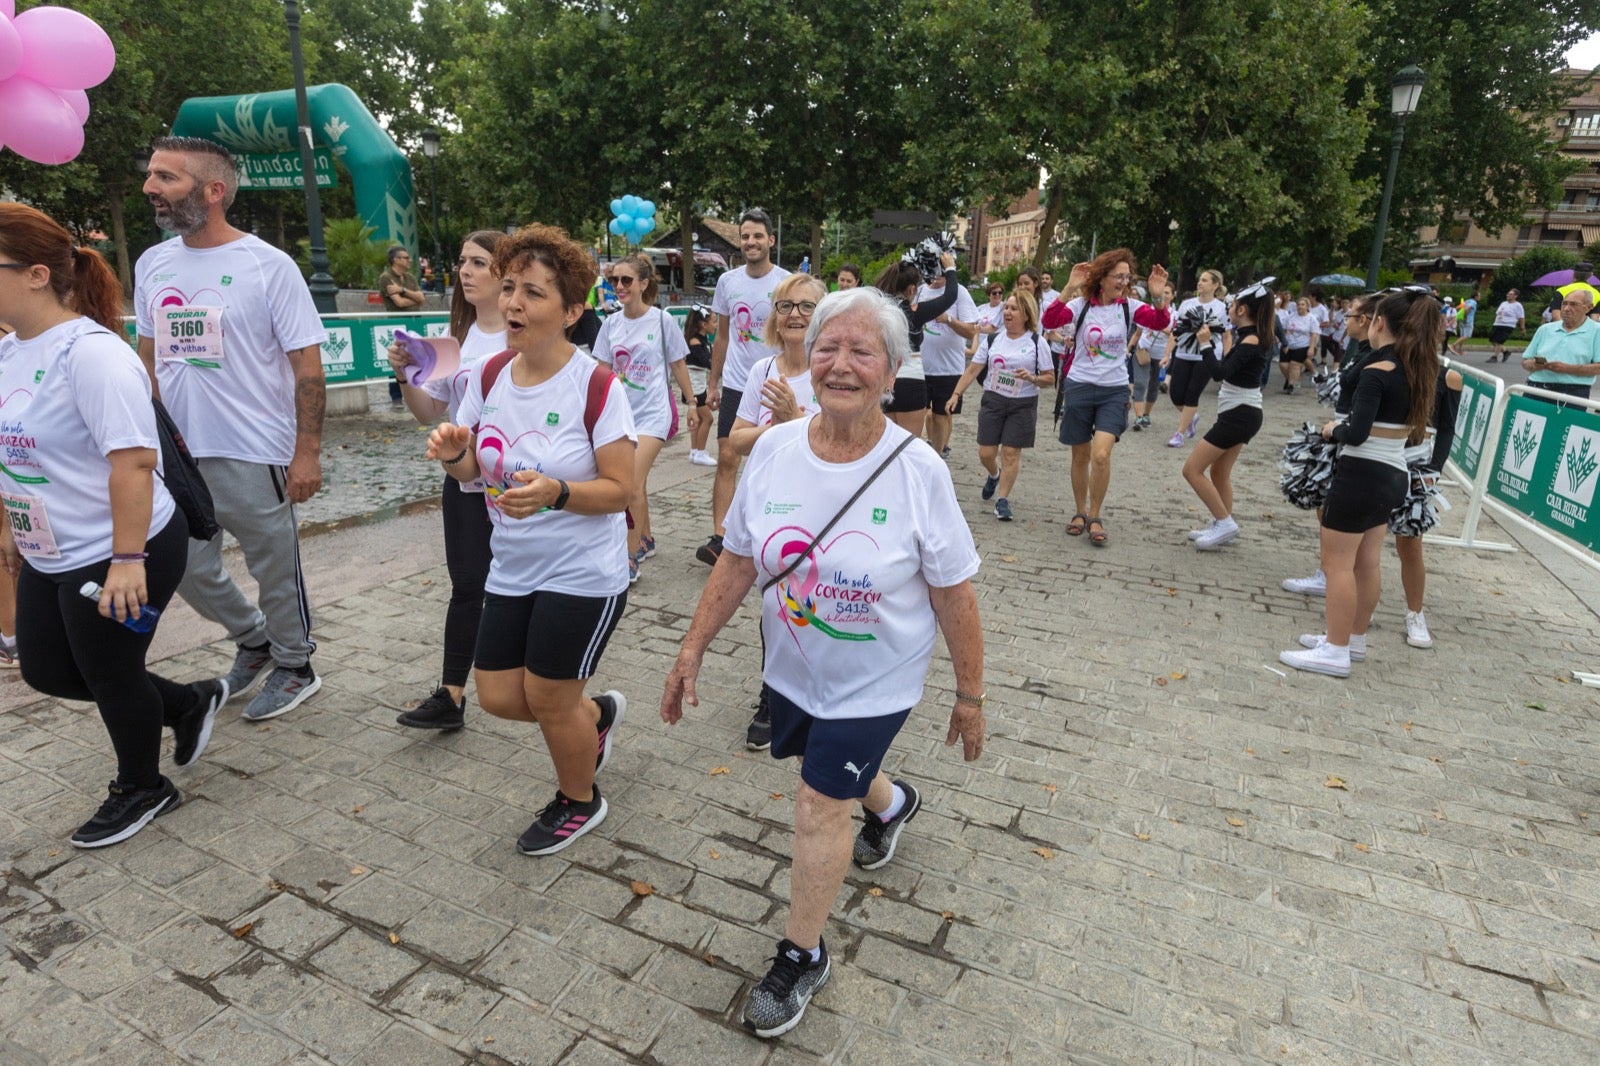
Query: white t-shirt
point(750, 407)
point(944, 352)
point(61, 413)
point(850, 633)
point(1216, 316)
point(1320, 313)
point(1100, 339)
point(640, 351)
point(1002, 353)
point(541, 428)
point(747, 302)
point(992, 314)
point(1509, 313)
point(222, 319)
point(477, 347)
point(1298, 330)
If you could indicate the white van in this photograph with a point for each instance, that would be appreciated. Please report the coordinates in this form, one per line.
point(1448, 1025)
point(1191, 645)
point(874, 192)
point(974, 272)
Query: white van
point(668, 264)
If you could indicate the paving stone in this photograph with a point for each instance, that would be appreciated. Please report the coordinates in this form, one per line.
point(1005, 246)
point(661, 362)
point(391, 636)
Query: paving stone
point(162, 1006)
point(333, 1024)
point(443, 1000)
point(369, 964)
point(233, 1037)
point(691, 1040)
point(401, 1045)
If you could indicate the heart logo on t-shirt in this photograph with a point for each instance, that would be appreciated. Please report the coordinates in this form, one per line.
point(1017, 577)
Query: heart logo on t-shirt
point(800, 593)
point(493, 450)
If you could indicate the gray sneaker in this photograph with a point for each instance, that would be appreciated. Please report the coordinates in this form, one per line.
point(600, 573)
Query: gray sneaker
point(286, 689)
point(249, 667)
point(876, 841)
point(777, 1004)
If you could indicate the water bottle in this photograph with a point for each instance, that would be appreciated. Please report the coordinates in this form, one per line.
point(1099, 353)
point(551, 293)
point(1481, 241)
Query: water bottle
point(143, 622)
point(805, 265)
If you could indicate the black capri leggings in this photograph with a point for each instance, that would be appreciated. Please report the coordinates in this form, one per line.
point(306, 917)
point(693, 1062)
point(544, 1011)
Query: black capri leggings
point(69, 651)
point(1187, 380)
point(466, 556)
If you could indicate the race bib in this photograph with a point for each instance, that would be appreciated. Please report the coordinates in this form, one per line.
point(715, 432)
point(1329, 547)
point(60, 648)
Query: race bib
point(30, 525)
point(1006, 382)
point(190, 335)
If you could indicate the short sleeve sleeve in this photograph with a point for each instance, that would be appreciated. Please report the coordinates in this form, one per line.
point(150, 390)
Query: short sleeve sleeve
point(672, 342)
point(949, 555)
point(602, 341)
point(616, 418)
point(472, 397)
point(112, 392)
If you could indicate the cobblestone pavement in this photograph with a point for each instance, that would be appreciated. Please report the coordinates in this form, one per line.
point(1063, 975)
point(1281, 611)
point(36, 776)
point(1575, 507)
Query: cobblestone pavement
point(1171, 853)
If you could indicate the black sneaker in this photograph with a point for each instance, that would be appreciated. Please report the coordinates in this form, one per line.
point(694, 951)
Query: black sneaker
point(758, 735)
point(777, 1004)
point(249, 665)
point(990, 483)
point(875, 843)
point(560, 823)
point(710, 551)
point(192, 732)
point(124, 813)
point(613, 708)
point(438, 711)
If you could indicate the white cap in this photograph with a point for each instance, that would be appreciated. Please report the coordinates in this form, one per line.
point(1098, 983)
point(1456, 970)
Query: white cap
point(1449, 300)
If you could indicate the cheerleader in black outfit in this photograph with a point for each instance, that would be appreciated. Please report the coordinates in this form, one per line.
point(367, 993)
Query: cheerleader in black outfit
point(1238, 414)
point(1413, 574)
point(1392, 405)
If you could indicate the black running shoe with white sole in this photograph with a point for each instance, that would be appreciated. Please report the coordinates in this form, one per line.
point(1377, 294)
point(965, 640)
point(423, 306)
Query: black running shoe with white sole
point(777, 1004)
point(758, 734)
point(876, 841)
point(560, 823)
point(192, 732)
point(125, 812)
point(613, 708)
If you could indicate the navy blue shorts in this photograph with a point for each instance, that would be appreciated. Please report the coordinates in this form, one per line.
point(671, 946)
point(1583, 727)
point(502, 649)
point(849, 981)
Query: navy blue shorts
point(842, 755)
point(1090, 409)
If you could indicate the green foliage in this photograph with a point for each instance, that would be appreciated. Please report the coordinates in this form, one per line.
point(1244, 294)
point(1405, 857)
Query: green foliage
point(354, 259)
point(1519, 272)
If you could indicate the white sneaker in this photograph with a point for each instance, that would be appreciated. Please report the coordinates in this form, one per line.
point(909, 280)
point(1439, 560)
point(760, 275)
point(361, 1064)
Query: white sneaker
point(1222, 531)
point(1417, 634)
point(1315, 585)
point(1196, 534)
point(1358, 644)
point(1323, 659)
point(701, 458)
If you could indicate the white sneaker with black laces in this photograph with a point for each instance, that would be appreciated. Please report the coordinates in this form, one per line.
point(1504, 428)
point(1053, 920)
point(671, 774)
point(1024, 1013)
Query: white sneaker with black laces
point(777, 1004)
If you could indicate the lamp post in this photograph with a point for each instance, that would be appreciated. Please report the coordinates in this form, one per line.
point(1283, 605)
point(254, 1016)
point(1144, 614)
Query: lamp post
point(1406, 89)
point(430, 148)
point(324, 292)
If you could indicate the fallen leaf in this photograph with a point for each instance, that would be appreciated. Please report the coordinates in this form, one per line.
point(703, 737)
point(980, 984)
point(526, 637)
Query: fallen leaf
point(642, 888)
point(1172, 592)
point(1236, 823)
point(719, 770)
point(1362, 848)
point(1534, 706)
point(394, 938)
point(874, 891)
point(714, 853)
point(358, 808)
point(277, 886)
point(1565, 680)
point(948, 916)
point(1435, 758)
point(710, 959)
point(243, 931)
point(1179, 676)
point(1141, 836)
point(1406, 727)
point(1049, 788)
point(775, 795)
point(1249, 751)
point(429, 581)
point(1438, 816)
point(488, 1040)
point(1008, 558)
point(52, 853)
point(1044, 853)
point(1522, 762)
point(357, 871)
point(1335, 782)
point(1161, 681)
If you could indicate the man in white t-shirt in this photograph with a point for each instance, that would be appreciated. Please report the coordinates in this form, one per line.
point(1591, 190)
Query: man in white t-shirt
point(1322, 344)
point(1507, 317)
point(229, 334)
point(742, 302)
point(944, 357)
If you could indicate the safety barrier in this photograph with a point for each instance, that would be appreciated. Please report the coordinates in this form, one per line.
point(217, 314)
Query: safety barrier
point(1472, 452)
point(1546, 468)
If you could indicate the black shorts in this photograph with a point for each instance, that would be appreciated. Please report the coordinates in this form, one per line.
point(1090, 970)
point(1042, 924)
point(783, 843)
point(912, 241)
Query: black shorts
point(910, 395)
point(1293, 355)
point(940, 388)
point(700, 400)
point(842, 755)
point(1009, 420)
point(1234, 427)
point(1364, 494)
point(1498, 334)
point(1090, 409)
point(727, 411)
point(1187, 380)
point(550, 634)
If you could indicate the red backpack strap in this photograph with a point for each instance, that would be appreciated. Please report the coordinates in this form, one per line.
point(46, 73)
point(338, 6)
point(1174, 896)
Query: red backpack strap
point(594, 401)
point(491, 374)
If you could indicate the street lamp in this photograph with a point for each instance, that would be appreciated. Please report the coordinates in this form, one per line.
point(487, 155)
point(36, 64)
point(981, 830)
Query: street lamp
point(430, 148)
point(324, 293)
point(1406, 88)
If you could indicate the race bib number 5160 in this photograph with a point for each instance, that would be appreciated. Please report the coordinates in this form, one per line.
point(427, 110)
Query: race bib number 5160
point(190, 335)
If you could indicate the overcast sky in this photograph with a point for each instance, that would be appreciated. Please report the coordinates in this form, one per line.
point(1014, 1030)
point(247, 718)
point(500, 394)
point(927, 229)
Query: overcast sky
point(1585, 53)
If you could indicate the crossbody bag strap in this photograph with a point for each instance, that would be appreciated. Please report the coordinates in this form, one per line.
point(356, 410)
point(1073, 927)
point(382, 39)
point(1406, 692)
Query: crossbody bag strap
point(798, 559)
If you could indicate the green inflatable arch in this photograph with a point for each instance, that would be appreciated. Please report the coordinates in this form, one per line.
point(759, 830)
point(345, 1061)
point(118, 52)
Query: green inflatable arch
point(341, 123)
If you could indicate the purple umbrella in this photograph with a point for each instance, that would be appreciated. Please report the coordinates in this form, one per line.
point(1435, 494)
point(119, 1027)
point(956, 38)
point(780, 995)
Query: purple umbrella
point(1558, 278)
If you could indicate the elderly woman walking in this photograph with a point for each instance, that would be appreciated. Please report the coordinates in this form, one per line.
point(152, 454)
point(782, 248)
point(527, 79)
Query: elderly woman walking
point(851, 526)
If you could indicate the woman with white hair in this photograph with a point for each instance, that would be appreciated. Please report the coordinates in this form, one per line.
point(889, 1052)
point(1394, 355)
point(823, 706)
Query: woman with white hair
point(852, 528)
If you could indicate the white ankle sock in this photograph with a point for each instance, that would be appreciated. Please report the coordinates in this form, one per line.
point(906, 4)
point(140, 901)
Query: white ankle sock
point(897, 803)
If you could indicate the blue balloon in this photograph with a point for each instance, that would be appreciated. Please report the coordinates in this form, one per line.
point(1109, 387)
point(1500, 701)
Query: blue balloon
point(633, 205)
point(616, 206)
point(616, 227)
point(626, 220)
point(647, 207)
point(644, 225)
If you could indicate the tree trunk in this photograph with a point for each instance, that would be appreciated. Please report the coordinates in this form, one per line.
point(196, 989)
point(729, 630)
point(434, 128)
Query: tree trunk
point(818, 251)
point(1047, 228)
point(1305, 266)
point(119, 237)
point(686, 239)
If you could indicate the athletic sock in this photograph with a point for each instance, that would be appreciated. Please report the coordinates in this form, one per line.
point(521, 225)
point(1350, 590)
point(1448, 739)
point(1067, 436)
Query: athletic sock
point(897, 803)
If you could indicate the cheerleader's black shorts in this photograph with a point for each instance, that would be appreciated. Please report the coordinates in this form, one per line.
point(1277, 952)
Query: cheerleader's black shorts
point(1364, 494)
point(1233, 427)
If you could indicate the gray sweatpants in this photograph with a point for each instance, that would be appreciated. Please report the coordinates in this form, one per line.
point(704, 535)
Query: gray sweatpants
point(252, 505)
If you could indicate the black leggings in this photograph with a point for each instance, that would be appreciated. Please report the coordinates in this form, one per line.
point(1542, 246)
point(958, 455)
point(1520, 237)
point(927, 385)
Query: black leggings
point(69, 651)
point(1187, 380)
point(466, 555)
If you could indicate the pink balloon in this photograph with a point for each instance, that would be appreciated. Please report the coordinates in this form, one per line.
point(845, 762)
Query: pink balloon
point(37, 124)
point(8, 8)
point(63, 49)
point(78, 100)
point(10, 48)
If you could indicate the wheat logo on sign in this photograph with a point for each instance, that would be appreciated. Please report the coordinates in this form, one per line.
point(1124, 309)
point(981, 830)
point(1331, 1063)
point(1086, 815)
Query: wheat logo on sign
point(1575, 473)
point(1480, 422)
point(1522, 447)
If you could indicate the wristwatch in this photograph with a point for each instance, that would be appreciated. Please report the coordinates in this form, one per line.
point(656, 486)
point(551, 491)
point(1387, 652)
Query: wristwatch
point(560, 503)
point(966, 697)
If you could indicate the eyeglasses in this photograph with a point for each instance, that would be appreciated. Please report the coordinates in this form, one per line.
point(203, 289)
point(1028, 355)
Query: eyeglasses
point(13, 266)
point(1121, 277)
point(621, 280)
point(787, 307)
